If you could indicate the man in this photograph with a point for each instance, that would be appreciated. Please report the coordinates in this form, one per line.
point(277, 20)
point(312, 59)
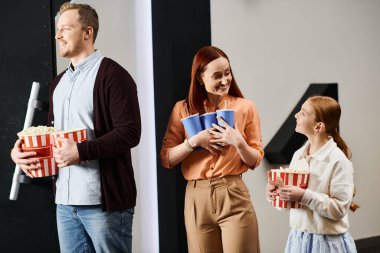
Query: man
point(95, 188)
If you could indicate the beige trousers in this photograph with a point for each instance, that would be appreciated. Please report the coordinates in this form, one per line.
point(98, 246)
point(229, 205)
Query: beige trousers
point(219, 217)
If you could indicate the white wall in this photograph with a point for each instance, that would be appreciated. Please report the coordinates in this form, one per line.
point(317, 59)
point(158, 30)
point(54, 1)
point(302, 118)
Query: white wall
point(125, 36)
point(116, 36)
point(277, 48)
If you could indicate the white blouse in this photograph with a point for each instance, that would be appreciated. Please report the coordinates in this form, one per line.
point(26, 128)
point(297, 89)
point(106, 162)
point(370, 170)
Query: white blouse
point(329, 192)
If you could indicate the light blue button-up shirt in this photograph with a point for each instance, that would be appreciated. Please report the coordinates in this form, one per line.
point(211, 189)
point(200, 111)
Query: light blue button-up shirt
point(73, 108)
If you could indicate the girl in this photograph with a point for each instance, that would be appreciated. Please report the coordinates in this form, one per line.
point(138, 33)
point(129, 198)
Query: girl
point(322, 224)
point(219, 215)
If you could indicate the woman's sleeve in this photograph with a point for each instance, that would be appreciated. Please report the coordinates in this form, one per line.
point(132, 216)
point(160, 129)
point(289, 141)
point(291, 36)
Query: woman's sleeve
point(174, 135)
point(335, 205)
point(253, 133)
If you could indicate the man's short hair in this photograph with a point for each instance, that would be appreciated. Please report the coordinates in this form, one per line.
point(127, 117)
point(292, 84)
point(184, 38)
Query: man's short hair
point(87, 15)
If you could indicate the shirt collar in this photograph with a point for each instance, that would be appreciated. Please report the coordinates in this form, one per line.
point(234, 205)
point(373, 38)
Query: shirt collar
point(84, 64)
point(321, 153)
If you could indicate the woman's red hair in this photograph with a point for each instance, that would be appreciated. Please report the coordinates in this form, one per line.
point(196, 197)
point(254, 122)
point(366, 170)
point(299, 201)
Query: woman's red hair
point(197, 92)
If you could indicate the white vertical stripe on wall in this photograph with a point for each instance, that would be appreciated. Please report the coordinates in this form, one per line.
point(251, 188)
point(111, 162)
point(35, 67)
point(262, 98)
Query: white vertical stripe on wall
point(276, 49)
point(147, 177)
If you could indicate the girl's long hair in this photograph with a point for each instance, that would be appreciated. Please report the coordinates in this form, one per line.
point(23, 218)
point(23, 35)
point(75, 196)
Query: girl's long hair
point(327, 110)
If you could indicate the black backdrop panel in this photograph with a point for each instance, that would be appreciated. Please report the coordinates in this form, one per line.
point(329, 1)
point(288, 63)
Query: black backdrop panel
point(27, 53)
point(180, 29)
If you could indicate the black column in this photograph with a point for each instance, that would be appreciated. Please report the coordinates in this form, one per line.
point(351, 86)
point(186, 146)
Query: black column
point(180, 28)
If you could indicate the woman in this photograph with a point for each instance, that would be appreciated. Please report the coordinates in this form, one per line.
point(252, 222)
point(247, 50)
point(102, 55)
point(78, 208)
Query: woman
point(219, 215)
point(322, 224)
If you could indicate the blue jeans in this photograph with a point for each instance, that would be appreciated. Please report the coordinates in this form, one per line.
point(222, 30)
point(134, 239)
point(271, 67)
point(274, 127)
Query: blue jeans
point(89, 229)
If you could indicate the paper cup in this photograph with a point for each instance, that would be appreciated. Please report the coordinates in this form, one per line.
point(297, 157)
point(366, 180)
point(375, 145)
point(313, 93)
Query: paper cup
point(208, 119)
point(78, 135)
point(227, 115)
point(42, 145)
point(288, 178)
point(192, 124)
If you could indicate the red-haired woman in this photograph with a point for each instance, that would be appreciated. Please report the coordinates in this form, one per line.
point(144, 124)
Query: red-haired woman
point(219, 215)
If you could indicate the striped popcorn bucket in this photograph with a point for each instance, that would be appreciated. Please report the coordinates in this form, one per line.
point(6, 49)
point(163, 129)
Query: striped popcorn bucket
point(288, 178)
point(42, 145)
point(78, 135)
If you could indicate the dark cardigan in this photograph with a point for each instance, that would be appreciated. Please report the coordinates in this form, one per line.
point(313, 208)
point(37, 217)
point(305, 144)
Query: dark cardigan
point(117, 127)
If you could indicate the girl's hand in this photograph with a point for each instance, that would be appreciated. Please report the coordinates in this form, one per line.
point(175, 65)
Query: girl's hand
point(291, 193)
point(226, 136)
point(271, 191)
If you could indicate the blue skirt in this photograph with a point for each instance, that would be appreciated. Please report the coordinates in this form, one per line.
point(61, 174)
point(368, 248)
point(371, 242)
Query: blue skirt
point(303, 242)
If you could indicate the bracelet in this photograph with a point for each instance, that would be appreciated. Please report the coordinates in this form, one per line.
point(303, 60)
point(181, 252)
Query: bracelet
point(189, 147)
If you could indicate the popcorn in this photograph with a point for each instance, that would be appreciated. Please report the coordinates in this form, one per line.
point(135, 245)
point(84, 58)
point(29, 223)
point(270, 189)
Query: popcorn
point(78, 135)
point(37, 131)
point(39, 140)
point(288, 170)
point(282, 177)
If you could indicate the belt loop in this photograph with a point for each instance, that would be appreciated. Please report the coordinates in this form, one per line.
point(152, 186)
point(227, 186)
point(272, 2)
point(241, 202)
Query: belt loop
point(194, 183)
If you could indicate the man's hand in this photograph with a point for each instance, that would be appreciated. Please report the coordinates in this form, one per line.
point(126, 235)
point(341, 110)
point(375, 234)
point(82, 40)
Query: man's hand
point(67, 154)
point(24, 160)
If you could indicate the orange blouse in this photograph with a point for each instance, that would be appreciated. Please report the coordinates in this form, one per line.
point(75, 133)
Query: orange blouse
point(201, 164)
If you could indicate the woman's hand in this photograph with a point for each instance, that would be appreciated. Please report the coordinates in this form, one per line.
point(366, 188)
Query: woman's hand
point(271, 191)
point(291, 193)
point(203, 139)
point(227, 135)
point(24, 160)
